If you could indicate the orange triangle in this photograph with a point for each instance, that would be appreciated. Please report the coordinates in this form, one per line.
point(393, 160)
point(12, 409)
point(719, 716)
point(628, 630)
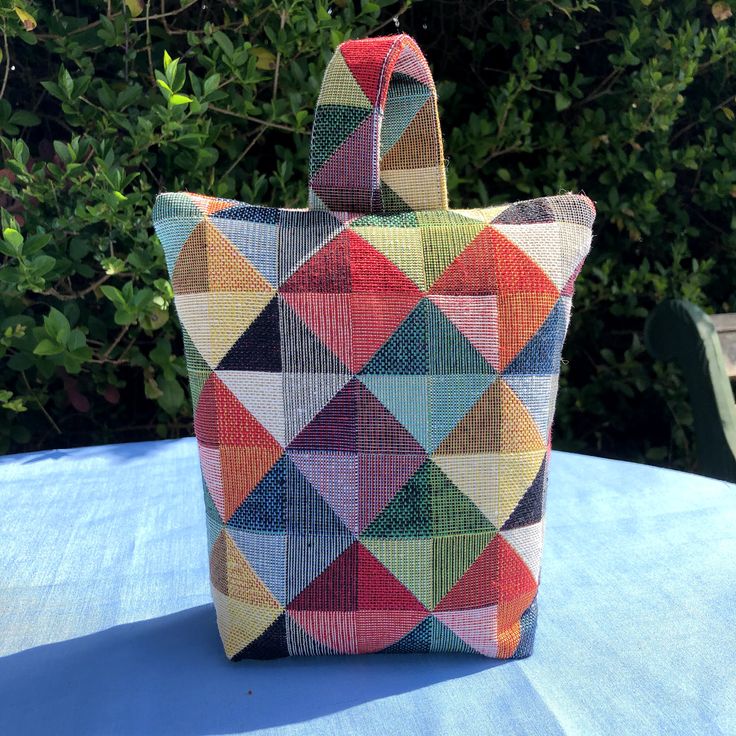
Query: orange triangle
point(208, 205)
point(229, 270)
point(417, 147)
point(243, 468)
point(497, 423)
point(190, 269)
point(519, 317)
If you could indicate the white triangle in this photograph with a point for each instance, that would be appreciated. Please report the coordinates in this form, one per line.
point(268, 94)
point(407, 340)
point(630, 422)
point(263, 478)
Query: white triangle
point(538, 394)
point(305, 395)
point(527, 542)
point(262, 394)
point(476, 627)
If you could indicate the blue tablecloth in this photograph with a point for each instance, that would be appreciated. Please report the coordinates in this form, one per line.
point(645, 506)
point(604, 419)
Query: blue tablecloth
point(106, 626)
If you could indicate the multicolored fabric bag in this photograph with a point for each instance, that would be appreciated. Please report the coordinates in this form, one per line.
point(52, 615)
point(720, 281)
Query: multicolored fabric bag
point(373, 382)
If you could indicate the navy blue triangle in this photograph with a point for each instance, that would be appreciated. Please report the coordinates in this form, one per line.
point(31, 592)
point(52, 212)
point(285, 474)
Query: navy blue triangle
point(259, 347)
point(405, 353)
point(264, 508)
point(525, 213)
point(271, 644)
point(541, 355)
point(530, 508)
point(528, 626)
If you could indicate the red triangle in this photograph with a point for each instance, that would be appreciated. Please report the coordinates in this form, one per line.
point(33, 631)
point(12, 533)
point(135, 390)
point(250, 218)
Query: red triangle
point(492, 264)
point(220, 419)
point(517, 272)
point(328, 316)
point(335, 589)
point(375, 318)
point(498, 576)
point(378, 430)
point(335, 427)
point(372, 272)
point(328, 270)
point(379, 589)
point(473, 271)
point(360, 56)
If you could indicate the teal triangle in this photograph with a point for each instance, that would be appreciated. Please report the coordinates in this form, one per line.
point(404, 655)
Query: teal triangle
point(333, 125)
point(430, 635)
point(406, 398)
point(173, 233)
point(452, 353)
point(405, 352)
point(451, 396)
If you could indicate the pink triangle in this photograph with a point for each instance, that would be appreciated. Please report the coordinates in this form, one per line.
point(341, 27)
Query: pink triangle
point(477, 627)
point(377, 630)
point(380, 477)
point(477, 319)
point(569, 287)
point(346, 169)
point(335, 477)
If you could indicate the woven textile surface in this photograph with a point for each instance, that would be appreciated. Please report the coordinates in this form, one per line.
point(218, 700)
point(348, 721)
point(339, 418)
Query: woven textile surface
point(374, 382)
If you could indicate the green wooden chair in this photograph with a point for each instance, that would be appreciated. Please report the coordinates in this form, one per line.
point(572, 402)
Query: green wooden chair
point(704, 347)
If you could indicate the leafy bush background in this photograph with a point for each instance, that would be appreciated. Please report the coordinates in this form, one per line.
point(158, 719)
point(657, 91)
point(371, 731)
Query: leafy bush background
point(631, 102)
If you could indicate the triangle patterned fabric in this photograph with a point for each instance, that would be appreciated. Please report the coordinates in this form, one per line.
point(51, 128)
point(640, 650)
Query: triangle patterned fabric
point(374, 381)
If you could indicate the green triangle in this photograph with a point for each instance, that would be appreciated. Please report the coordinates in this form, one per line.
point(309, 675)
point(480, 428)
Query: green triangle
point(452, 353)
point(390, 201)
point(405, 353)
point(410, 560)
point(445, 235)
point(452, 556)
point(452, 511)
point(393, 219)
point(333, 125)
point(409, 514)
point(197, 367)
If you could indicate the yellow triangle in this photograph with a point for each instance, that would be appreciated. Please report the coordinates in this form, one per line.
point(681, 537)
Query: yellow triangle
point(239, 622)
point(215, 320)
point(483, 214)
point(339, 86)
point(401, 245)
point(495, 483)
point(243, 583)
point(227, 269)
point(421, 189)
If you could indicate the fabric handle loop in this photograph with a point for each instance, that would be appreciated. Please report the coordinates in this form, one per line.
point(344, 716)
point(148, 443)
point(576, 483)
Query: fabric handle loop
point(376, 138)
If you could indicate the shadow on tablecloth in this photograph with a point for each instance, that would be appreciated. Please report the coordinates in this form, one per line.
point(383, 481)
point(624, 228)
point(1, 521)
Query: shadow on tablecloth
point(169, 675)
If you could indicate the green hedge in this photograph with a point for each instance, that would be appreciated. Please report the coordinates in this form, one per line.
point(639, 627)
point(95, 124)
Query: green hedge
point(631, 102)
